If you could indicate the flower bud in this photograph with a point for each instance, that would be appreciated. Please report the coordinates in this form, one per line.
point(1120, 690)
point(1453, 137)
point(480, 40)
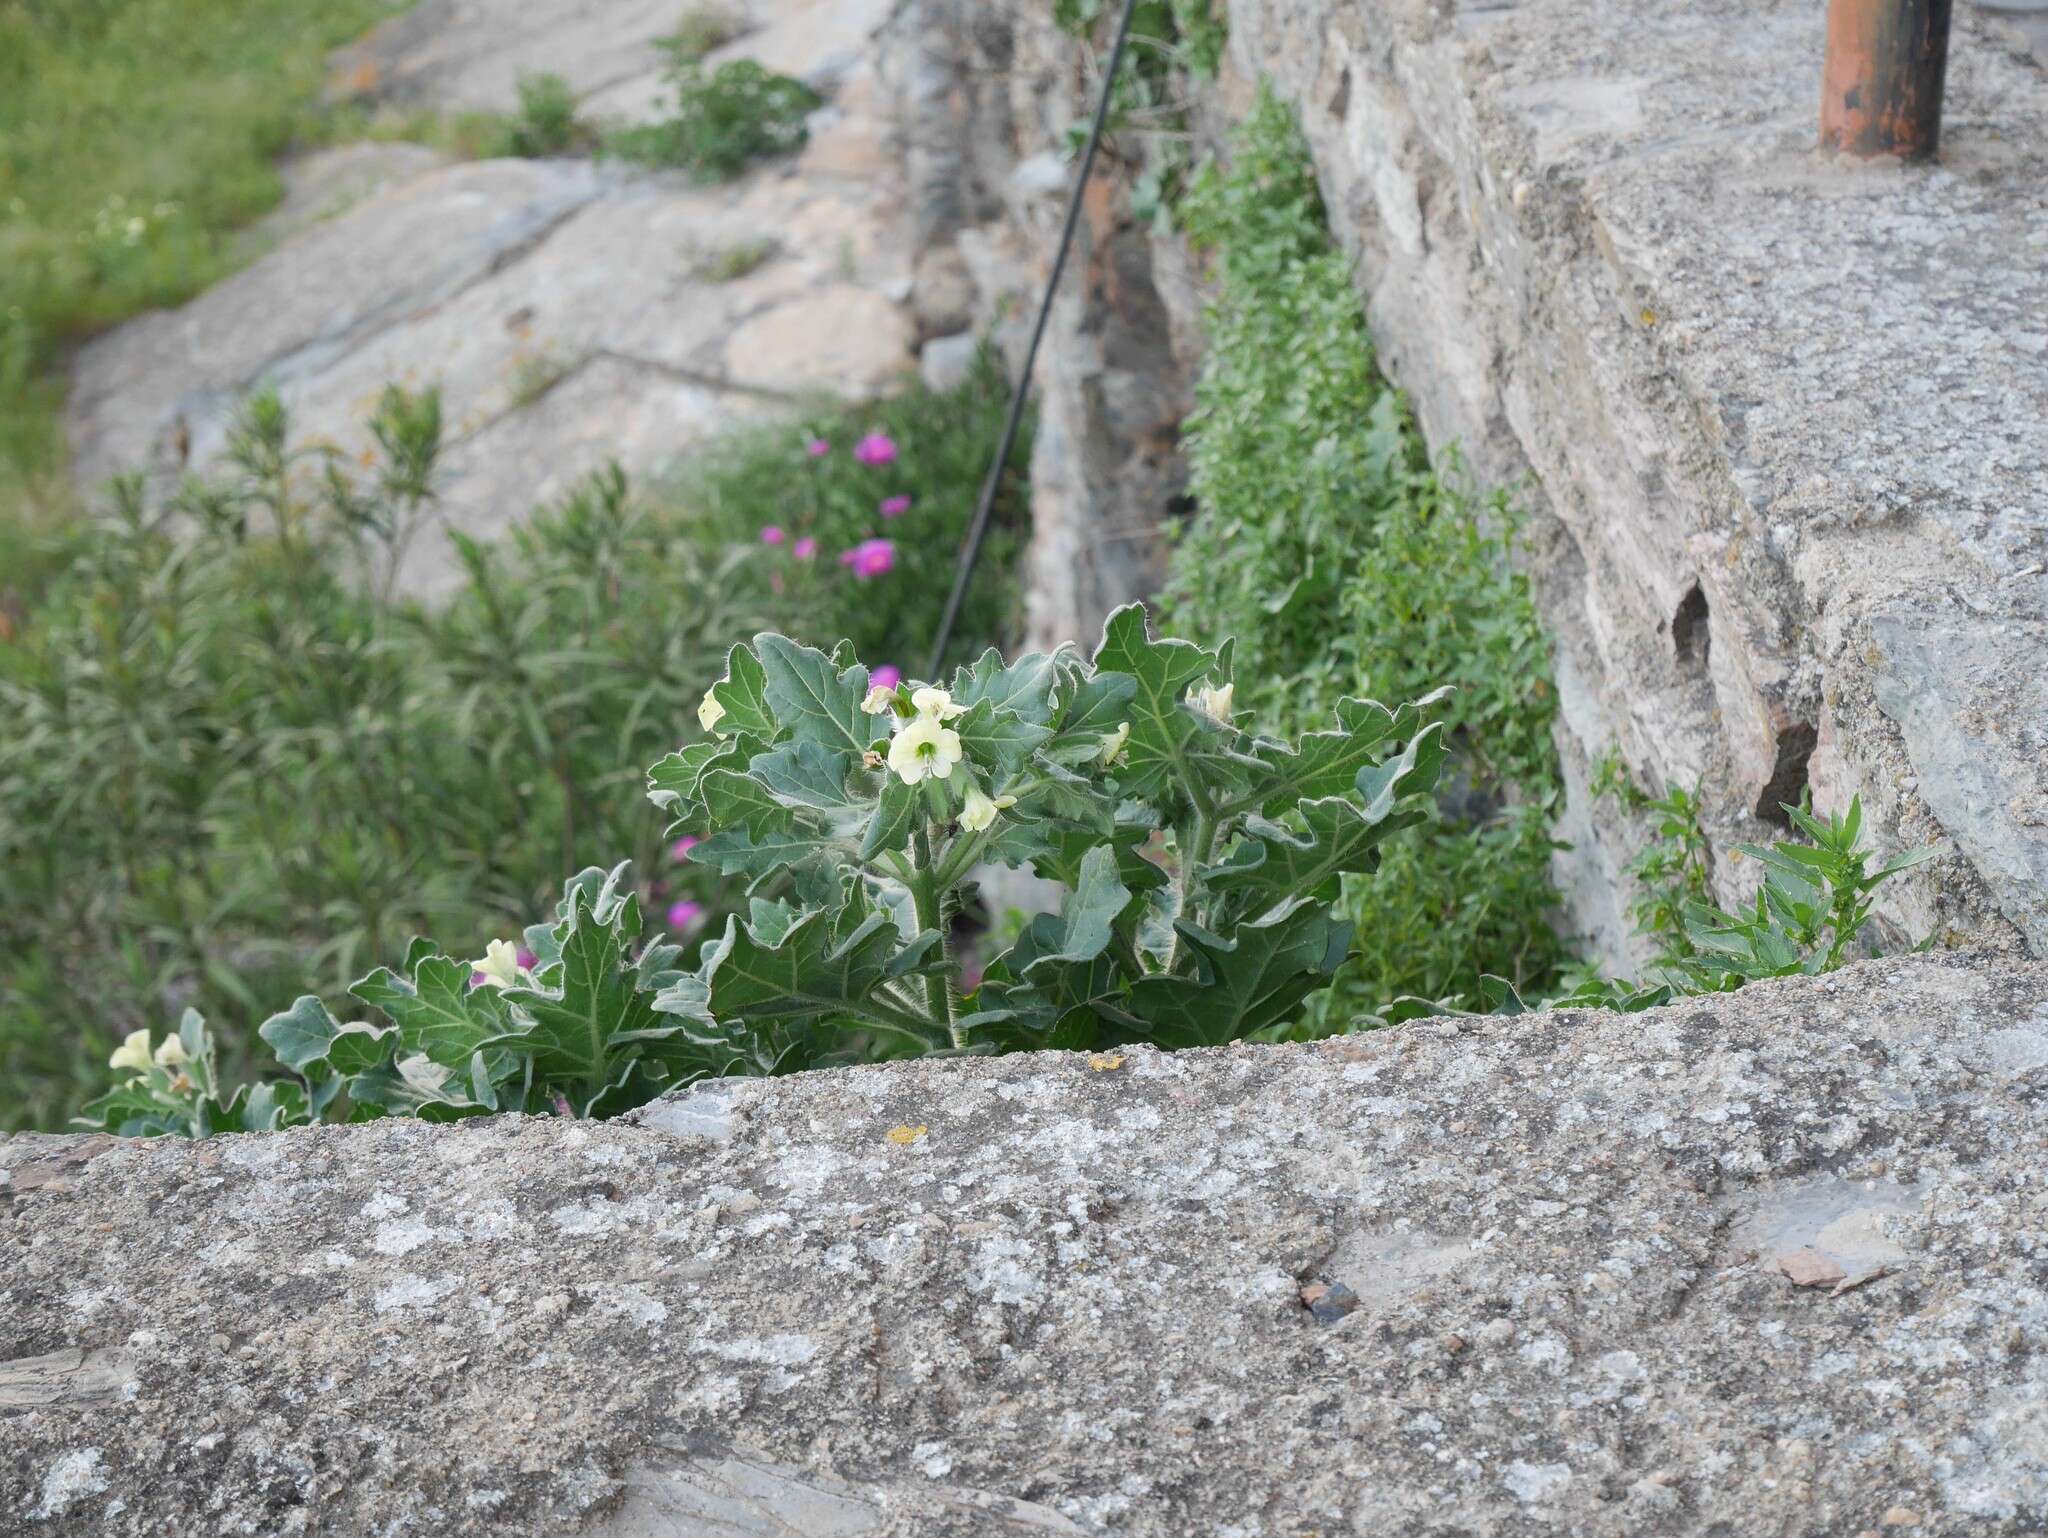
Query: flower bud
point(710, 712)
point(132, 1053)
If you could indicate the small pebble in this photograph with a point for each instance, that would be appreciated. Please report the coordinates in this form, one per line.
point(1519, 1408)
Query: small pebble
point(1328, 1301)
point(1900, 1516)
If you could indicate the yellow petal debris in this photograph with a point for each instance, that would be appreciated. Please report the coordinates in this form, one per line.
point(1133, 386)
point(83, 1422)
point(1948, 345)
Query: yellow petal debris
point(903, 1137)
point(1649, 316)
point(1106, 1062)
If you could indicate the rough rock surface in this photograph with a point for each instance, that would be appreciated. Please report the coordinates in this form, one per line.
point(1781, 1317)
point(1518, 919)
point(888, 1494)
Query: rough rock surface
point(1784, 412)
point(1055, 1294)
point(992, 91)
point(565, 309)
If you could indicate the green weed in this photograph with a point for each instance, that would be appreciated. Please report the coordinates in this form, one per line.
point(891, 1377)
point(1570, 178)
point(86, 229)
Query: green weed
point(722, 120)
point(728, 264)
point(1346, 565)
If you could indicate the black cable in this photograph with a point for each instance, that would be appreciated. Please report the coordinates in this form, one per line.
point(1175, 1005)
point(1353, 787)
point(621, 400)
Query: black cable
point(977, 532)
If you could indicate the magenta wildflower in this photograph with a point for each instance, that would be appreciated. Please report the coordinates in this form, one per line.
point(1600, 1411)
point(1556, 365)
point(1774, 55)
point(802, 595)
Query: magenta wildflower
point(680, 849)
point(477, 979)
point(685, 914)
point(804, 548)
point(895, 507)
point(870, 558)
point(527, 960)
point(885, 677)
point(876, 449)
point(817, 448)
point(771, 534)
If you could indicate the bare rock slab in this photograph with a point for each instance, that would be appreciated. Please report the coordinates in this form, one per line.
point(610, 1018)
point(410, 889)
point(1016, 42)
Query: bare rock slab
point(567, 314)
point(570, 314)
point(1062, 1294)
point(472, 54)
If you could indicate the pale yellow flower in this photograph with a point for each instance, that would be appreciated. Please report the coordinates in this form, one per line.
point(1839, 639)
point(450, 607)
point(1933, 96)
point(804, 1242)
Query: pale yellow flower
point(500, 965)
point(980, 811)
point(881, 699)
point(1212, 702)
point(710, 712)
point(172, 1055)
point(936, 703)
point(1113, 743)
point(924, 747)
point(132, 1053)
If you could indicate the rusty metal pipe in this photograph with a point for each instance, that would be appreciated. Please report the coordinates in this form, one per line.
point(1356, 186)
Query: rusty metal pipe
point(1881, 86)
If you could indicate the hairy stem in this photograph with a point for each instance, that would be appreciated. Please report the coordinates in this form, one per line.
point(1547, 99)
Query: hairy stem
point(926, 892)
point(1194, 854)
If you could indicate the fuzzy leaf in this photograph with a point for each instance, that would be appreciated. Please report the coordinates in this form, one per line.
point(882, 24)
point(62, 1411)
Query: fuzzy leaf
point(895, 818)
point(672, 783)
point(815, 700)
point(1164, 731)
point(1082, 931)
point(1412, 771)
point(998, 738)
point(735, 852)
point(1276, 863)
point(596, 1010)
point(807, 775)
point(744, 694)
point(1057, 852)
point(436, 1011)
point(1328, 763)
point(735, 799)
point(1024, 687)
point(1254, 979)
point(1096, 706)
point(306, 1034)
point(825, 963)
point(414, 1085)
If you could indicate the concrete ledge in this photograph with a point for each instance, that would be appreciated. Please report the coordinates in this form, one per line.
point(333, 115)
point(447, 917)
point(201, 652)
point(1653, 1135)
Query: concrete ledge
point(1050, 1294)
point(1784, 414)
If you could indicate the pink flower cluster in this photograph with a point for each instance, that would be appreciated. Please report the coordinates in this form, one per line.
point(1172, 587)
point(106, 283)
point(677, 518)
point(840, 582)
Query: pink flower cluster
point(870, 558)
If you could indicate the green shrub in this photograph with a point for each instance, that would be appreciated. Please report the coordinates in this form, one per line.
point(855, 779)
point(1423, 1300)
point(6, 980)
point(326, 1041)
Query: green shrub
point(723, 121)
point(1344, 564)
point(1199, 859)
point(546, 123)
point(234, 772)
point(1809, 914)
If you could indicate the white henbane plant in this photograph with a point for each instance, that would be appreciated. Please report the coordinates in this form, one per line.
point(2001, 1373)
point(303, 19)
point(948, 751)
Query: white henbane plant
point(1200, 859)
point(1200, 862)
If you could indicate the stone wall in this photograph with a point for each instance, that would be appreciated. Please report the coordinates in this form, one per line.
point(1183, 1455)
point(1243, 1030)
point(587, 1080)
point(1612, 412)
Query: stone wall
point(1071, 1295)
point(1777, 419)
